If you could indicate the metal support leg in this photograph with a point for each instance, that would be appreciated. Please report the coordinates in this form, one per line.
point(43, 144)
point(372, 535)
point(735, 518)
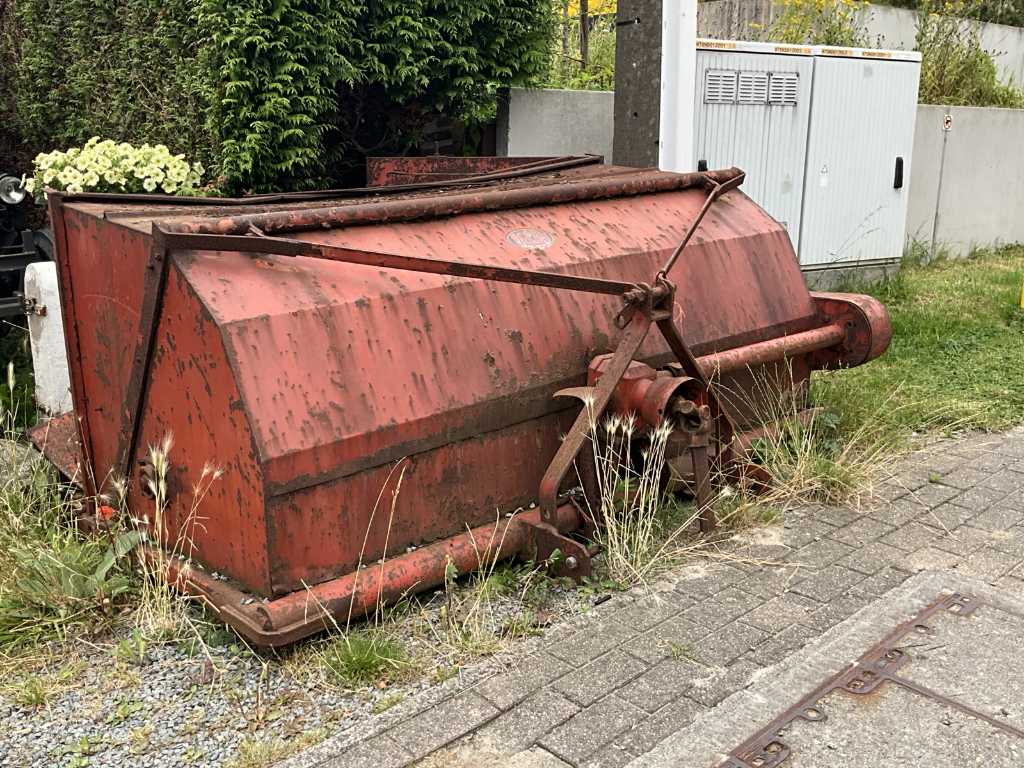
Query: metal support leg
point(574, 440)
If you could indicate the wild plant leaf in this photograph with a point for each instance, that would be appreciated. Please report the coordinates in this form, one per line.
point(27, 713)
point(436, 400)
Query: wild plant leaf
point(122, 544)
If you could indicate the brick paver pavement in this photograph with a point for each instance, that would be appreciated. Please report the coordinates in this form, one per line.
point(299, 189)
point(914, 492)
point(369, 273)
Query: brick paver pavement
point(613, 684)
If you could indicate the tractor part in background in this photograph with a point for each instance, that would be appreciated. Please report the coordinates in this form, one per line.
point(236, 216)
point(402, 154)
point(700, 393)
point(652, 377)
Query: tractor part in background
point(318, 346)
point(19, 246)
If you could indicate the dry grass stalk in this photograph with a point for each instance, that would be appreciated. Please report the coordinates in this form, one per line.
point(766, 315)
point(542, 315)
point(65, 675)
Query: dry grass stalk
point(634, 531)
point(162, 611)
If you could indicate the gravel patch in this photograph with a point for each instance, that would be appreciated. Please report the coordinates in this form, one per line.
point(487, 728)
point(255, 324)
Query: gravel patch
point(177, 708)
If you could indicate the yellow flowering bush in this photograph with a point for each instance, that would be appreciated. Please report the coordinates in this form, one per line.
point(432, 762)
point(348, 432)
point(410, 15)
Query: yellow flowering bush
point(108, 166)
point(820, 22)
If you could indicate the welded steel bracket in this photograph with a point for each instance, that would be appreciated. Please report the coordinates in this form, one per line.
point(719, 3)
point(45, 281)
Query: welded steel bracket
point(697, 440)
point(563, 556)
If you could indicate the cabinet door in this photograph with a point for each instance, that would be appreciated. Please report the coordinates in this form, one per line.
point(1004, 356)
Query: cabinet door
point(752, 112)
point(861, 128)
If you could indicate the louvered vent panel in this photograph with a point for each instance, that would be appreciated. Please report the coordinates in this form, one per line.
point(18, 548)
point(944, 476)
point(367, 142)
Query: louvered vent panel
point(783, 88)
point(719, 86)
point(753, 87)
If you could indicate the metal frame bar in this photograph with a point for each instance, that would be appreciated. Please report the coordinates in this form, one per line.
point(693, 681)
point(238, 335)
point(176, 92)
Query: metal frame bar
point(765, 749)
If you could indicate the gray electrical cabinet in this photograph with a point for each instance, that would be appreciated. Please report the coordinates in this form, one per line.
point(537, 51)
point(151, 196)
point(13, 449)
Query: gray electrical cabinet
point(825, 136)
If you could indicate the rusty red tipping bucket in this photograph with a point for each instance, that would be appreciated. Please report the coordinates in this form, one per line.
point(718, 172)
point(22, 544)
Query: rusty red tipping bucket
point(317, 384)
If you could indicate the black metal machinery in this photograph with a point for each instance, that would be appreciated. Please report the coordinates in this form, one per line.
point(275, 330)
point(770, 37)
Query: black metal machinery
point(19, 245)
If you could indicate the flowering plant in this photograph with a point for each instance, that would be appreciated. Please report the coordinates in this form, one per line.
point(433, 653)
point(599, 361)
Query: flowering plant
point(820, 22)
point(106, 166)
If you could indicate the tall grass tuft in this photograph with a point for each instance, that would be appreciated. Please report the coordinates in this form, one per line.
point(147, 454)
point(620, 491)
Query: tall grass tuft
point(164, 612)
point(52, 581)
point(638, 526)
point(807, 453)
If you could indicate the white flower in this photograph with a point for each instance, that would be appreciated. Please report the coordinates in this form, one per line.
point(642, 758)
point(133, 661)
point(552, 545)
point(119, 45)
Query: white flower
point(104, 164)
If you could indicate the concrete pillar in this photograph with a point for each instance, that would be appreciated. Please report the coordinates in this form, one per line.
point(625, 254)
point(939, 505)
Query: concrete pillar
point(654, 93)
point(637, 83)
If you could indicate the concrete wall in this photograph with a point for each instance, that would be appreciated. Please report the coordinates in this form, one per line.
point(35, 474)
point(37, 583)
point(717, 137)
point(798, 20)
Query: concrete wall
point(981, 198)
point(555, 122)
point(891, 27)
point(733, 19)
point(982, 192)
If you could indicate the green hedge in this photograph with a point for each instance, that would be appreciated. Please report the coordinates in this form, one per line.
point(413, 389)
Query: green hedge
point(269, 94)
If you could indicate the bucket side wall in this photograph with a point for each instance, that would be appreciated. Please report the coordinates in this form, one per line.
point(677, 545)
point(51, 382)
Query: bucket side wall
point(325, 531)
point(193, 397)
point(106, 265)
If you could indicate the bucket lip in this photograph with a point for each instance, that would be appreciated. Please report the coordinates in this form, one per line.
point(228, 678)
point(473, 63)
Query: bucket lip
point(546, 179)
point(529, 169)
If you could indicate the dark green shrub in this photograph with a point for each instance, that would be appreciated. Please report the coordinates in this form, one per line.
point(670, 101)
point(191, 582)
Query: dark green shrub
point(267, 95)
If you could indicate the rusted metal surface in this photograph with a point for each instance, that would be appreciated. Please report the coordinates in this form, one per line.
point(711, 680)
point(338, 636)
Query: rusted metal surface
point(759, 353)
point(302, 613)
point(578, 433)
point(57, 439)
point(718, 186)
point(866, 323)
point(877, 667)
point(554, 190)
point(310, 363)
point(282, 247)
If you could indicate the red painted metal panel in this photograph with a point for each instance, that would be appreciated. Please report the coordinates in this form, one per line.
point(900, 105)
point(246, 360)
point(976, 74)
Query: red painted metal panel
point(344, 362)
point(193, 397)
point(107, 269)
point(320, 532)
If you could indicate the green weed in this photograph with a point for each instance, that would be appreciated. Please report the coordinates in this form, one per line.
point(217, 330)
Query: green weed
point(262, 753)
point(363, 657)
point(131, 649)
point(383, 705)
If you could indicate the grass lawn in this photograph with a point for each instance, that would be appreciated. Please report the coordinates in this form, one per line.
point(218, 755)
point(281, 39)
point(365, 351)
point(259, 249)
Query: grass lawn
point(956, 361)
